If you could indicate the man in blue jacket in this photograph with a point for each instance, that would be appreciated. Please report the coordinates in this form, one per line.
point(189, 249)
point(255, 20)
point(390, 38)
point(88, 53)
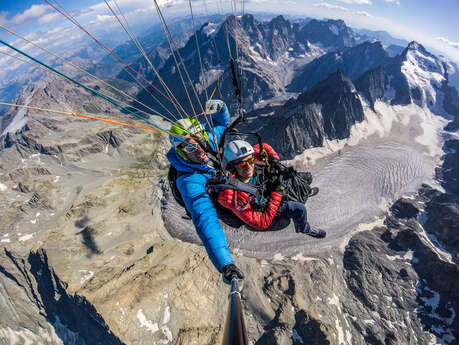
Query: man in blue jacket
point(193, 155)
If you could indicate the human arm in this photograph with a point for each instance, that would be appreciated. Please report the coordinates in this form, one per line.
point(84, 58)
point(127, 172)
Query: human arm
point(272, 154)
point(192, 187)
point(219, 111)
point(237, 202)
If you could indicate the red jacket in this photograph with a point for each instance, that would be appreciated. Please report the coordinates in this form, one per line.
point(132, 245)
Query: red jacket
point(235, 200)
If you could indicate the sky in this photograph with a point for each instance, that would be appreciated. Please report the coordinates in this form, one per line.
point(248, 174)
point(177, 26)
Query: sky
point(434, 24)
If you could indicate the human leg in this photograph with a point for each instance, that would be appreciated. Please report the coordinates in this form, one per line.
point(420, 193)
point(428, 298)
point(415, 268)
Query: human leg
point(297, 212)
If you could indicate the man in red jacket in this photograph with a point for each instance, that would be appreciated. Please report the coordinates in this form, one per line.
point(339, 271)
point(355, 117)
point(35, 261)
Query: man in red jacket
point(240, 158)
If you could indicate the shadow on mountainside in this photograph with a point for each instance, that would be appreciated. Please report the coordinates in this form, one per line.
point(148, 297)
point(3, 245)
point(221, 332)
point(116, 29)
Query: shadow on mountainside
point(87, 235)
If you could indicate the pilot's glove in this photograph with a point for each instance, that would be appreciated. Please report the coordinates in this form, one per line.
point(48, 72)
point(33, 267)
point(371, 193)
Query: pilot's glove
point(231, 271)
point(215, 106)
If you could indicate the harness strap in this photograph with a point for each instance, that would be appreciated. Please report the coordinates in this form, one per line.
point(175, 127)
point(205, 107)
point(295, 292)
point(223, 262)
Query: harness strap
point(249, 199)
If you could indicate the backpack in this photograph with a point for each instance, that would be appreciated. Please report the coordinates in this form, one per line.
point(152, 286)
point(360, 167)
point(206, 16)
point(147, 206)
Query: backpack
point(297, 187)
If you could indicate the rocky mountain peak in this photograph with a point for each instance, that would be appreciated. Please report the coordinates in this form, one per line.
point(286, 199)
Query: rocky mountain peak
point(279, 22)
point(413, 45)
point(337, 82)
point(331, 33)
point(372, 84)
point(327, 110)
point(352, 61)
point(425, 74)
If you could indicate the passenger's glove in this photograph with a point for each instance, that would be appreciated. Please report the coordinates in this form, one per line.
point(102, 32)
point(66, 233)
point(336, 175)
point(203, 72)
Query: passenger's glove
point(231, 271)
point(275, 183)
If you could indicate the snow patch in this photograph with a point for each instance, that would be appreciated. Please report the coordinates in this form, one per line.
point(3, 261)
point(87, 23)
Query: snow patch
point(334, 301)
point(300, 257)
point(23, 336)
point(144, 322)
point(361, 227)
point(3, 187)
point(432, 303)
point(19, 120)
point(433, 242)
point(237, 252)
point(341, 339)
point(85, 276)
point(26, 237)
point(167, 315)
point(424, 73)
point(432, 127)
point(56, 179)
point(210, 29)
point(168, 334)
point(5, 240)
point(408, 257)
point(380, 123)
point(334, 29)
point(278, 257)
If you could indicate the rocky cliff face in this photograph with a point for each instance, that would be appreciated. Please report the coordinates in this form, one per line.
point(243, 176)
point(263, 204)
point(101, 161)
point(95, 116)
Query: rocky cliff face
point(51, 312)
point(330, 33)
point(328, 110)
point(414, 77)
point(373, 85)
point(269, 53)
point(353, 61)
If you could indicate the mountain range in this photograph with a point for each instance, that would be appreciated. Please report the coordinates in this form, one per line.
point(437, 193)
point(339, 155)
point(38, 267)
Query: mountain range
point(94, 249)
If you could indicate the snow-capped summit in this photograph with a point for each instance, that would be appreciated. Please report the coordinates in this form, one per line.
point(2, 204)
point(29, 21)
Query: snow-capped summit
point(414, 76)
point(413, 45)
point(425, 74)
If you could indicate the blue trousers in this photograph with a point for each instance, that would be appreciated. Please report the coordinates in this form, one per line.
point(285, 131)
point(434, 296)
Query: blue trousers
point(297, 212)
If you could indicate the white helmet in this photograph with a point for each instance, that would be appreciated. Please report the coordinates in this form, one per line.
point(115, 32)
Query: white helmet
point(236, 149)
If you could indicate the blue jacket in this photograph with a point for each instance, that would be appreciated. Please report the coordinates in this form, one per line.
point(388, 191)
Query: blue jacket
point(192, 186)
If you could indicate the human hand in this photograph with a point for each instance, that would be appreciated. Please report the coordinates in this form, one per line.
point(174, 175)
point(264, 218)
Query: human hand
point(214, 106)
point(231, 271)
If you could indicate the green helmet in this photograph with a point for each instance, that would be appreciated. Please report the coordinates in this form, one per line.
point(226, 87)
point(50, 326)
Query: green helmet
point(185, 128)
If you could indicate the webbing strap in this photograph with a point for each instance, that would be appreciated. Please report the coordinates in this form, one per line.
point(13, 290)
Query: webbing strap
point(228, 182)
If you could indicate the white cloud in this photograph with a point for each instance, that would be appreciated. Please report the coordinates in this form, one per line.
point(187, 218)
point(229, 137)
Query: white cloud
point(397, 2)
point(33, 12)
point(364, 13)
point(48, 18)
point(343, 9)
point(331, 7)
point(101, 18)
point(356, 2)
point(448, 42)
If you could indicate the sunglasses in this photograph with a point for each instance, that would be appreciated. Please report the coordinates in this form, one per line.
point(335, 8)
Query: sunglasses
point(247, 161)
point(189, 148)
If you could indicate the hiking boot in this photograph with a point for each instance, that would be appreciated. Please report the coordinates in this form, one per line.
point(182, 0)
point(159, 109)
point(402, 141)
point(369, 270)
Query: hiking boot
point(316, 232)
point(313, 191)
